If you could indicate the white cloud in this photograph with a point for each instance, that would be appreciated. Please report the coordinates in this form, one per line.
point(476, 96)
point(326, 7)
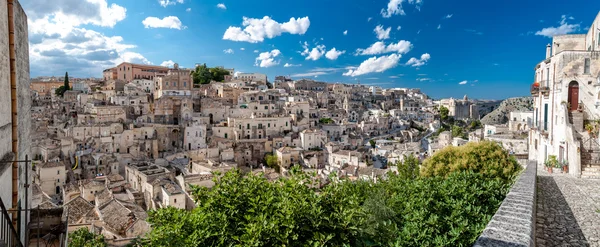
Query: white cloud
point(372, 78)
point(134, 57)
point(394, 77)
point(473, 31)
point(382, 33)
point(462, 83)
point(448, 16)
point(369, 19)
point(267, 59)
point(394, 7)
point(221, 6)
point(168, 22)
point(73, 13)
point(313, 54)
point(333, 54)
point(310, 74)
point(242, 49)
point(228, 51)
point(423, 79)
point(256, 30)
point(564, 28)
point(188, 9)
point(398, 28)
point(287, 65)
point(346, 32)
point(166, 3)
point(439, 26)
point(419, 62)
point(256, 51)
point(375, 64)
point(168, 63)
point(59, 42)
point(379, 47)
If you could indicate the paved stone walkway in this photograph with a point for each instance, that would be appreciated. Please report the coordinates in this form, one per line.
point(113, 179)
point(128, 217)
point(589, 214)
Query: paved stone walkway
point(567, 210)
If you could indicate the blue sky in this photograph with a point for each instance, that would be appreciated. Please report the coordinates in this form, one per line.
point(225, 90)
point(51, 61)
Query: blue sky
point(486, 49)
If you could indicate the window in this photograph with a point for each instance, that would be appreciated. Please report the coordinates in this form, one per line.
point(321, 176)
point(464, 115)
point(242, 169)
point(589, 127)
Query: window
point(266, 107)
point(184, 84)
point(167, 83)
point(174, 84)
point(586, 66)
point(175, 200)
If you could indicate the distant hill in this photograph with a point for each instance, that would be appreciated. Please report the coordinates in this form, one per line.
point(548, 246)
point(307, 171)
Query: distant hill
point(487, 106)
point(500, 115)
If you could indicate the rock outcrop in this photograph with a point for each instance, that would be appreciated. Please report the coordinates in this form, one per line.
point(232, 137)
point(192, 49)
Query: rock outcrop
point(501, 114)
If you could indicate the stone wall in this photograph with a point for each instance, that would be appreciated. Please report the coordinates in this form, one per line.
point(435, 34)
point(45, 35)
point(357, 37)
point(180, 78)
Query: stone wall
point(514, 222)
point(23, 104)
point(5, 109)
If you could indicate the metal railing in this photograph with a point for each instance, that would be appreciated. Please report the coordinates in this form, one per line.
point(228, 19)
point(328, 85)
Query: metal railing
point(8, 234)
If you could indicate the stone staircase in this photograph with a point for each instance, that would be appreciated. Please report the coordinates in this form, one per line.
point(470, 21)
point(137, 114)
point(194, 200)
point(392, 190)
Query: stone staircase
point(590, 158)
point(576, 118)
point(590, 171)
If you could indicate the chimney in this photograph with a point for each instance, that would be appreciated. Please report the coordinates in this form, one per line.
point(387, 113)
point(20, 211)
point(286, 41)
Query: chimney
point(548, 51)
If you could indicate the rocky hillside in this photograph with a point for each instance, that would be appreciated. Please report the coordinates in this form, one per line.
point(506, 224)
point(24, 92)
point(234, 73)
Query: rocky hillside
point(500, 115)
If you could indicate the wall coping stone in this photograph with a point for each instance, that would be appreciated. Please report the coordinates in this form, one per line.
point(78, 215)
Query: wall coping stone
point(514, 222)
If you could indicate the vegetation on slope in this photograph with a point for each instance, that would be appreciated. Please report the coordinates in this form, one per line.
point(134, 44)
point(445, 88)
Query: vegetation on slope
point(448, 204)
point(500, 115)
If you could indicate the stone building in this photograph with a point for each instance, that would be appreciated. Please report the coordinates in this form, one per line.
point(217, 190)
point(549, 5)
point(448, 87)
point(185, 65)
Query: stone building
point(51, 176)
point(520, 121)
point(566, 92)
point(176, 81)
point(461, 109)
point(130, 71)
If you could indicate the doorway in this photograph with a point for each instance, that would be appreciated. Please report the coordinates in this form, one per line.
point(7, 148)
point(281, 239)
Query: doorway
point(573, 96)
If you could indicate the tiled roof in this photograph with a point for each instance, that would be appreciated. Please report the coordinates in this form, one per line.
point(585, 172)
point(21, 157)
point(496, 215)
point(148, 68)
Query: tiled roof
point(77, 208)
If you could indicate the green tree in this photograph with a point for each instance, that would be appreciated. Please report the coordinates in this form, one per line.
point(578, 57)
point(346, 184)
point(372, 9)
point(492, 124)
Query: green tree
point(372, 142)
point(218, 74)
point(486, 157)
point(67, 81)
point(249, 210)
point(444, 113)
point(62, 89)
point(325, 120)
point(271, 160)
point(475, 124)
point(202, 75)
point(84, 238)
point(457, 131)
point(409, 168)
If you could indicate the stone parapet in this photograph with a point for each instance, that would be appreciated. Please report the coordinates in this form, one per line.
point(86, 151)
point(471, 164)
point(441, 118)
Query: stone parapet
point(514, 222)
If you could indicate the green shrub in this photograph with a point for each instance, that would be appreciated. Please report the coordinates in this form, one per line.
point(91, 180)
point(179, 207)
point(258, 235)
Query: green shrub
point(487, 158)
point(249, 210)
point(84, 238)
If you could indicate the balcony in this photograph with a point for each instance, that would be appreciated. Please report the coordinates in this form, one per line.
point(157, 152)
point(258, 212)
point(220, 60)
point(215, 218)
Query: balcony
point(535, 89)
point(545, 90)
point(541, 126)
